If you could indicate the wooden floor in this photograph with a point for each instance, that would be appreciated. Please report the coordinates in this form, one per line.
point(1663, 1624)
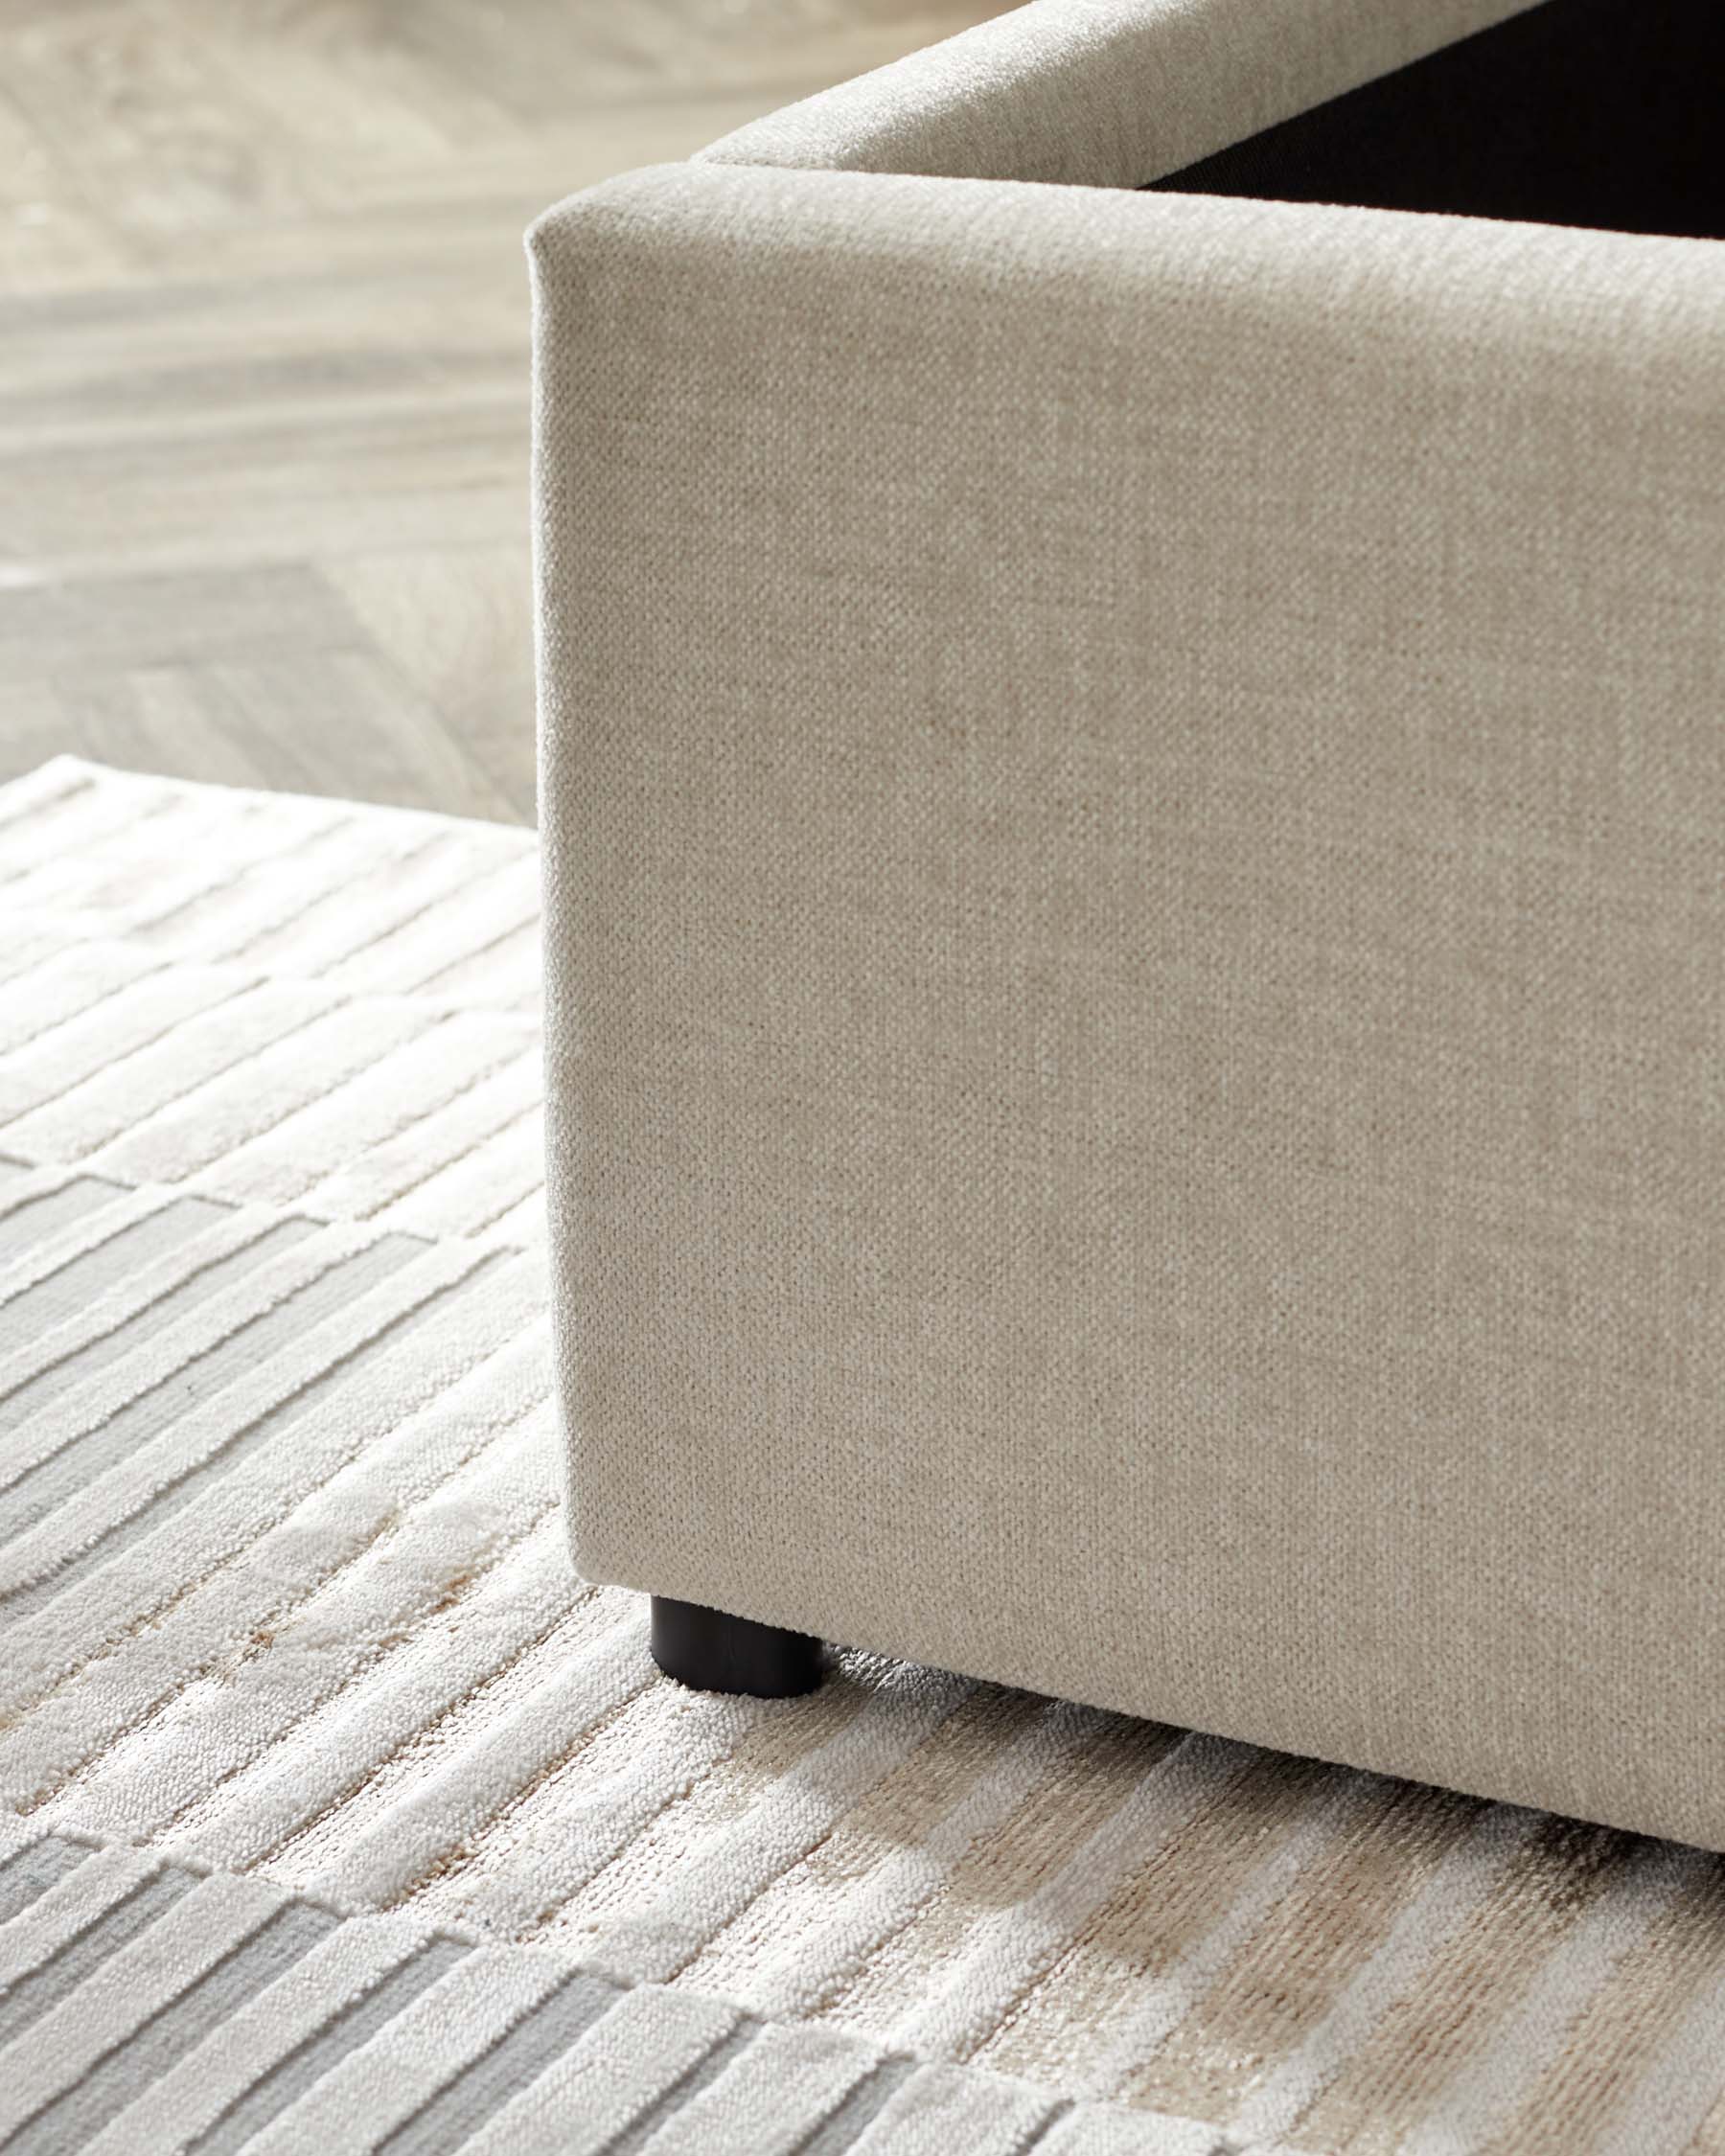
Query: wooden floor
point(263, 357)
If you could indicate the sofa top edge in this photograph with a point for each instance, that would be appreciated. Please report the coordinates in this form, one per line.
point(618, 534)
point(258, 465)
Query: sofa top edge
point(990, 227)
point(1102, 93)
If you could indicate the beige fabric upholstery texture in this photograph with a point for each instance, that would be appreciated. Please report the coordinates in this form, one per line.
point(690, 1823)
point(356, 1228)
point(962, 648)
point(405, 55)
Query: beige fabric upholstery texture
point(1104, 93)
point(1135, 813)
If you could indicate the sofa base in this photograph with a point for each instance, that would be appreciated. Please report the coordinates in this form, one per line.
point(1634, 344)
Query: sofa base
point(712, 1652)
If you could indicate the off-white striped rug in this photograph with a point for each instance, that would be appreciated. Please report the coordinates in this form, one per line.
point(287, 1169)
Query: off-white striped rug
point(284, 1594)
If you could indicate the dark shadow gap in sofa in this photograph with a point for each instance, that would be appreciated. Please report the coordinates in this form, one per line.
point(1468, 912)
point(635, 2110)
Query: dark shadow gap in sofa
point(1583, 112)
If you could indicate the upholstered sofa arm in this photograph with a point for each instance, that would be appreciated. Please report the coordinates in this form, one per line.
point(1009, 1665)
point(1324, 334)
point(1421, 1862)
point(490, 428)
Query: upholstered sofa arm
point(1102, 93)
point(1134, 794)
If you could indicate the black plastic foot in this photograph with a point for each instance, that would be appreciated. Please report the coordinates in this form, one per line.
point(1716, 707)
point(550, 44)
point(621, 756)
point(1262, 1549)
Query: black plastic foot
point(716, 1653)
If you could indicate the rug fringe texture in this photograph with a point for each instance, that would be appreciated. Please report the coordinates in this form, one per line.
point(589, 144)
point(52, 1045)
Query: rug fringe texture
point(341, 1814)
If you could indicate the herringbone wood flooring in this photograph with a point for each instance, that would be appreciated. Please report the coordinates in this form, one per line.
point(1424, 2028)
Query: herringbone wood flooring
point(263, 357)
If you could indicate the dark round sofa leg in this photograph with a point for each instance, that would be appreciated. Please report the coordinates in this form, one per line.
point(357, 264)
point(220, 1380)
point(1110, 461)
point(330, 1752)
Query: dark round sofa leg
point(716, 1653)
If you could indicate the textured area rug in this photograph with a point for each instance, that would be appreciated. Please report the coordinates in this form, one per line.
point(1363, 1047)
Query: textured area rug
point(147, 2006)
point(284, 1600)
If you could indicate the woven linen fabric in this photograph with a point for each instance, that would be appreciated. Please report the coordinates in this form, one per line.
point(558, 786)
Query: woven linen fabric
point(1103, 93)
point(1133, 793)
point(287, 1624)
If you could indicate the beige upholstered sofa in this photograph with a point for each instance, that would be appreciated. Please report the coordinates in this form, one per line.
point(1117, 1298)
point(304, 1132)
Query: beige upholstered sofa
point(1134, 794)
